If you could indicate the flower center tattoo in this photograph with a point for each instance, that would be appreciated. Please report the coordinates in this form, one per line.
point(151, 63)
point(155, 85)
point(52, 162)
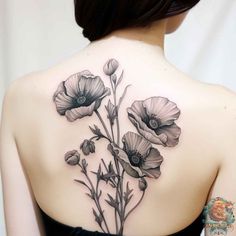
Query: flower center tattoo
point(135, 159)
point(133, 154)
point(153, 123)
point(81, 100)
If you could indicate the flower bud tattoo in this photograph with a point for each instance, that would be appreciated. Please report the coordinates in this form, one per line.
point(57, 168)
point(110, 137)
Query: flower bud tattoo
point(87, 147)
point(133, 156)
point(72, 157)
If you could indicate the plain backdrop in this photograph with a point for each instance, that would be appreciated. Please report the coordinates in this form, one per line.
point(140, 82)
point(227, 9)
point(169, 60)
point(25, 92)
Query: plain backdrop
point(35, 34)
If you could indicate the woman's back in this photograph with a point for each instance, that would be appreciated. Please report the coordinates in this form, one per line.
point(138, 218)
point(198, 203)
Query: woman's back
point(50, 125)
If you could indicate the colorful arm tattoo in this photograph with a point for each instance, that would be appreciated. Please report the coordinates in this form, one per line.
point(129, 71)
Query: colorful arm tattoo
point(135, 154)
point(219, 216)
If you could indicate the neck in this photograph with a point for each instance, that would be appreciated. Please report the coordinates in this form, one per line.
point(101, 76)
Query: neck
point(153, 34)
point(144, 40)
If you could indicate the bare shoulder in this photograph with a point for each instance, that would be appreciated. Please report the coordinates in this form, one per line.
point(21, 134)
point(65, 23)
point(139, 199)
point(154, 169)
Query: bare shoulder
point(19, 95)
point(226, 99)
point(226, 103)
point(20, 87)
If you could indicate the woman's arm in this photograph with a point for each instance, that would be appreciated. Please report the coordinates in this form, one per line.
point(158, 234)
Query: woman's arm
point(220, 211)
point(21, 215)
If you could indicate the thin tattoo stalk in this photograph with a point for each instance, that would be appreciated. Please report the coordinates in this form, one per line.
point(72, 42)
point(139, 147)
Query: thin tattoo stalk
point(120, 183)
point(103, 124)
point(94, 194)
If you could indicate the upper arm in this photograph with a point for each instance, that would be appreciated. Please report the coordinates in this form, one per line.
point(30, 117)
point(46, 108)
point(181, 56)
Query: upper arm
point(220, 211)
point(19, 205)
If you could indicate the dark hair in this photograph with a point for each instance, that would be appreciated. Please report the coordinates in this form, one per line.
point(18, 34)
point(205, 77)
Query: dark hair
point(100, 17)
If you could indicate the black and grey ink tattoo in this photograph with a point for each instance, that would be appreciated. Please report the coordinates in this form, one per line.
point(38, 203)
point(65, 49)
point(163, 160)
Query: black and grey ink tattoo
point(81, 95)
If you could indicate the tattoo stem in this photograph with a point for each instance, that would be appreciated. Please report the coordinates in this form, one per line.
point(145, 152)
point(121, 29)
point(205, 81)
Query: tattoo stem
point(103, 124)
point(118, 130)
point(112, 132)
point(121, 189)
point(104, 165)
point(122, 217)
point(117, 118)
point(115, 212)
point(97, 202)
point(135, 206)
point(103, 162)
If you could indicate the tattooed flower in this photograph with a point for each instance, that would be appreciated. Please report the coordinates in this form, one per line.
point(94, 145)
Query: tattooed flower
point(110, 67)
point(217, 211)
point(138, 157)
point(154, 119)
point(220, 210)
point(87, 147)
point(80, 95)
point(72, 157)
point(142, 183)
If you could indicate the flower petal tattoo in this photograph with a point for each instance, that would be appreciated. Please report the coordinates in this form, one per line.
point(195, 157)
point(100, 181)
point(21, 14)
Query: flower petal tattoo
point(80, 95)
point(154, 119)
point(219, 216)
point(138, 158)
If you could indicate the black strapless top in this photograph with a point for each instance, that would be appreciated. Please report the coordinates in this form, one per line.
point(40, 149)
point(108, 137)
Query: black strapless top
point(55, 228)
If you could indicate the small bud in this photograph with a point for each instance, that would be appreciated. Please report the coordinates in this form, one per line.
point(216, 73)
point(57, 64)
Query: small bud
point(110, 67)
point(84, 164)
point(112, 111)
point(87, 147)
point(72, 157)
point(142, 184)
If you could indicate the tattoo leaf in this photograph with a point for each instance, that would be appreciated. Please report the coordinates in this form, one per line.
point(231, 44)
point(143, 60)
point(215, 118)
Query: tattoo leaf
point(99, 173)
point(108, 176)
point(112, 202)
point(127, 196)
point(111, 169)
point(100, 193)
point(114, 78)
point(112, 112)
point(96, 131)
point(83, 183)
point(112, 185)
point(122, 97)
point(98, 217)
point(120, 79)
point(91, 195)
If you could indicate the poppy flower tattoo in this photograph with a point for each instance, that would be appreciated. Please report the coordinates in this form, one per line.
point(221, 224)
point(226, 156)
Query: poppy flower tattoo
point(138, 157)
point(154, 119)
point(81, 95)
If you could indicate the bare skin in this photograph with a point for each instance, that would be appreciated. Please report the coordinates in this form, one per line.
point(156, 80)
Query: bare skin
point(199, 168)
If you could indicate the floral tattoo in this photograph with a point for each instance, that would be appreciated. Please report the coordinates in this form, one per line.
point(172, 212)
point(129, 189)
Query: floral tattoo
point(219, 216)
point(81, 95)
